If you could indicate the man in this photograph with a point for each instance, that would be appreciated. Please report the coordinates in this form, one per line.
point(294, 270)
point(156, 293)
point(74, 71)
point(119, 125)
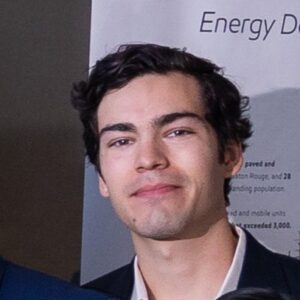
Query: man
point(19, 283)
point(166, 131)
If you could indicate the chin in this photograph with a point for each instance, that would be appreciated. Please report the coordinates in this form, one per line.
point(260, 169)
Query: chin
point(159, 229)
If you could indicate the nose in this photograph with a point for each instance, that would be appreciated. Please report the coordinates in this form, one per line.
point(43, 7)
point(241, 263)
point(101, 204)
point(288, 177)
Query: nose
point(151, 155)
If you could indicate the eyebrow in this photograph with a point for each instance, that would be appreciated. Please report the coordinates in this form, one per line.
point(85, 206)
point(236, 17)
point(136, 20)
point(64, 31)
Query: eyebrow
point(157, 122)
point(118, 127)
point(169, 118)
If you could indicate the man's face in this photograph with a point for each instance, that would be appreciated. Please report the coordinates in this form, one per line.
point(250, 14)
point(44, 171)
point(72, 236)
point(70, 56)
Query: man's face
point(159, 158)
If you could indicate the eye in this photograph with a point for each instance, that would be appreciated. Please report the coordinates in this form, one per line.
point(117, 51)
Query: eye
point(120, 142)
point(179, 132)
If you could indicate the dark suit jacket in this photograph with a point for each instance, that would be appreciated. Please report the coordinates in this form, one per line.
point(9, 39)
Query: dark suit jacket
point(18, 283)
point(261, 268)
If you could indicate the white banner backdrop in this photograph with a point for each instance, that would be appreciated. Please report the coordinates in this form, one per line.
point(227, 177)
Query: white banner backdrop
point(258, 43)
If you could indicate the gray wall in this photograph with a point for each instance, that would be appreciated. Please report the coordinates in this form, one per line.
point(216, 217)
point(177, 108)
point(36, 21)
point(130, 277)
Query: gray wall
point(44, 47)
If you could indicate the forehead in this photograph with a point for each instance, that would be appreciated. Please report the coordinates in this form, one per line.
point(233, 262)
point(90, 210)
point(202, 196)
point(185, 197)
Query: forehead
point(150, 96)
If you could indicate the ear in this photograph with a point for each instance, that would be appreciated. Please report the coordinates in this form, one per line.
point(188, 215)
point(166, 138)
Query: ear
point(103, 187)
point(233, 159)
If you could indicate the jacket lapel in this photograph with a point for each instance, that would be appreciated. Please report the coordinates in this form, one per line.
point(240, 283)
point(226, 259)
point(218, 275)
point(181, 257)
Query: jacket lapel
point(118, 283)
point(261, 268)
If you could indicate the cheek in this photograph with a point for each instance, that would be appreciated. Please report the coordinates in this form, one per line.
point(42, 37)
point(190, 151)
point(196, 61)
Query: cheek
point(200, 163)
point(116, 181)
point(115, 170)
point(108, 163)
point(194, 158)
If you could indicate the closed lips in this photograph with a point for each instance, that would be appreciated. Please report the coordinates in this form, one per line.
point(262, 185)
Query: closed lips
point(154, 189)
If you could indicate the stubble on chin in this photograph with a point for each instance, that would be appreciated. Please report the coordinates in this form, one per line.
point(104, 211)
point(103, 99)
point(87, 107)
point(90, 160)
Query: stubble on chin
point(159, 225)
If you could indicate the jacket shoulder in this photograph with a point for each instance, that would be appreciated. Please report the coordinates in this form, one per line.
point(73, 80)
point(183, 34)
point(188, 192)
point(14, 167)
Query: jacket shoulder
point(118, 282)
point(290, 267)
point(18, 283)
point(265, 268)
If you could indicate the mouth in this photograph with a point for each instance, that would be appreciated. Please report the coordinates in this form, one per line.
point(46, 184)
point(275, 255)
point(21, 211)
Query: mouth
point(149, 191)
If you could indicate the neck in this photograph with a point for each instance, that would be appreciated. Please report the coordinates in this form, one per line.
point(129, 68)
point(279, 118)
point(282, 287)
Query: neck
point(192, 268)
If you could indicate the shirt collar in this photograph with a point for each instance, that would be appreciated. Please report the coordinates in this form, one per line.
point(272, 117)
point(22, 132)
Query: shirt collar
point(139, 288)
point(229, 284)
point(231, 280)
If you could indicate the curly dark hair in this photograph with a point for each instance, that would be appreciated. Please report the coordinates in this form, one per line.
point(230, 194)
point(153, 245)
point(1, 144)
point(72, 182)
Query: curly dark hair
point(225, 107)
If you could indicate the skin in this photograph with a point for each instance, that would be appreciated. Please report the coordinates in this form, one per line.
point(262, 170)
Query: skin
point(160, 168)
